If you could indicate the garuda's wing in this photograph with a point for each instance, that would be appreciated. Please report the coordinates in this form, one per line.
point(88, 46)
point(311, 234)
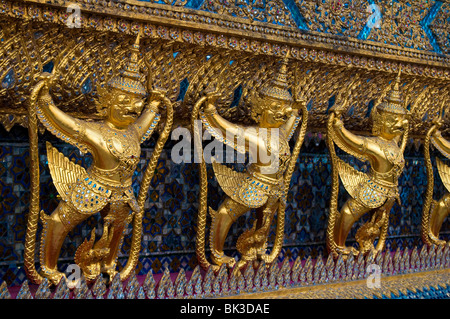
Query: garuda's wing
point(218, 135)
point(348, 150)
point(444, 173)
point(63, 171)
point(229, 180)
point(75, 140)
point(350, 177)
point(436, 145)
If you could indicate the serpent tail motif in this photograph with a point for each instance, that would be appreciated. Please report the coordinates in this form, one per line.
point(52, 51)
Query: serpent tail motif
point(428, 202)
point(143, 192)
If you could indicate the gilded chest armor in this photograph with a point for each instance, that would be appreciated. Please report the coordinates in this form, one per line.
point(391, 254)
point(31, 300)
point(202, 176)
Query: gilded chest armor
point(376, 189)
point(373, 188)
point(248, 188)
point(279, 154)
point(89, 191)
point(125, 147)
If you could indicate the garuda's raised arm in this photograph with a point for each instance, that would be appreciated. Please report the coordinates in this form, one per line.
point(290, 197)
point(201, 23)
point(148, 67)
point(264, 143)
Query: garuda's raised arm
point(441, 143)
point(59, 123)
point(347, 141)
point(232, 134)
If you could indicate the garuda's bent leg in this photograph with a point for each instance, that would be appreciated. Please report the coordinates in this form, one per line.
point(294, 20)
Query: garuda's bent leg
point(438, 214)
point(56, 227)
point(228, 212)
point(264, 217)
point(115, 221)
point(349, 214)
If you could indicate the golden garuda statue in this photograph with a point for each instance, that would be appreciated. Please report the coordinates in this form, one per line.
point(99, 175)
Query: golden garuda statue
point(374, 192)
point(434, 212)
point(106, 186)
point(264, 183)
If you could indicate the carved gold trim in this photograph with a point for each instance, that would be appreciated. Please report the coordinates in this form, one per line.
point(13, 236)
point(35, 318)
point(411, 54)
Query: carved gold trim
point(187, 25)
point(358, 289)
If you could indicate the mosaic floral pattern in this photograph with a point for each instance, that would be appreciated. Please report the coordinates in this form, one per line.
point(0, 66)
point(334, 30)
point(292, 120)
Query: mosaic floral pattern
point(171, 209)
point(401, 23)
point(343, 17)
point(441, 28)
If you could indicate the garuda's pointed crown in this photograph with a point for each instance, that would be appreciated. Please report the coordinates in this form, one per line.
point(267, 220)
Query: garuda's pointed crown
point(129, 78)
point(277, 87)
point(393, 101)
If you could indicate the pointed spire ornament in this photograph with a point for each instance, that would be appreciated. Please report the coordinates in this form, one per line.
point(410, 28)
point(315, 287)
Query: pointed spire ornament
point(4, 292)
point(189, 289)
point(405, 263)
point(149, 285)
point(319, 270)
point(273, 274)
point(207, 282)
point(296, 269)
point(277, 87)
point(439, 257)
point(370, 257)
point(170, 290)
point(163, 290)
point(223, 277)
point(423, 257)
point(232, 283)
point(180, 284)
point(387, 264)
point(141, 293)
point(43, 291)
point(24, 292)
point(415, 261)
point(360, 269)
point(285, 274)
point(349, 265)
point(132, 287)
point(220, 285)
point(432, 257)
point(446, 255)
point(393, 102)
point(196, 282)
point(240, 284)
point(99, 287)
point(306, 275)
point(249, 274)
point(129, 79)
point(339, 273)
point(396, 261)
point(329, 268)
point(379, 258)
point(62, 290)
point(81, 289)
point(260, 282)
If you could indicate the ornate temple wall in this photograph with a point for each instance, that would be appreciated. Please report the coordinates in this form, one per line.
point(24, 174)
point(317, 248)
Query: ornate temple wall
point(194, 45)
point(171, 209)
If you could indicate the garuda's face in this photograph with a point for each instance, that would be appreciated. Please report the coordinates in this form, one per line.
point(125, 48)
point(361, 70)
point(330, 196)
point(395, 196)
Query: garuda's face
point(125, 108)
point(393, 125)
point(276, 113)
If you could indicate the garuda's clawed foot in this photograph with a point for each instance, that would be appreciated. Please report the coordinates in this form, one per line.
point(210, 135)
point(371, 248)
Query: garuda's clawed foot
point(346, 251)
point(53, 275)
point(221, 258)
point(436, 241)
point(110, 271)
